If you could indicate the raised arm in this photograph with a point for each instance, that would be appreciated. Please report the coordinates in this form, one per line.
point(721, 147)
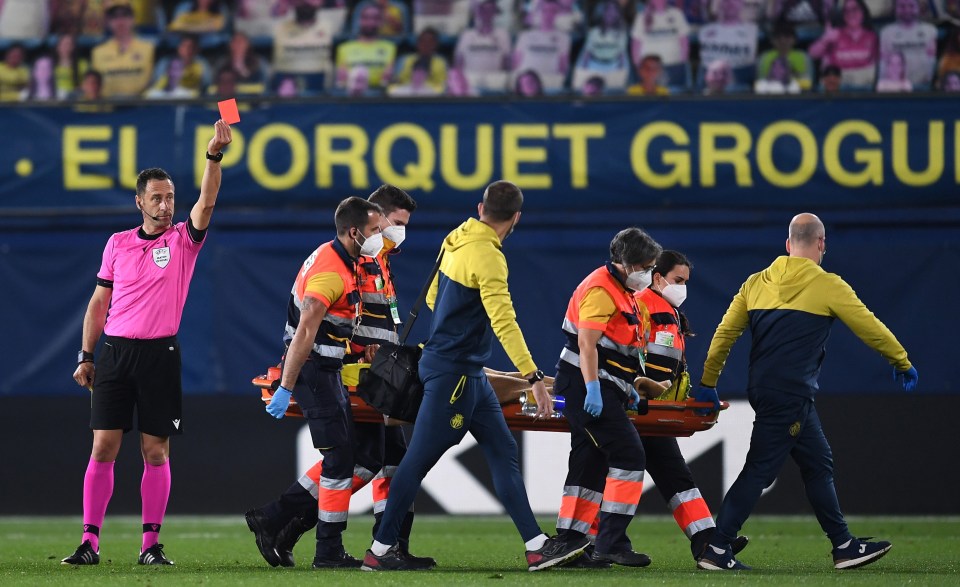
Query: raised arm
point(210, 184)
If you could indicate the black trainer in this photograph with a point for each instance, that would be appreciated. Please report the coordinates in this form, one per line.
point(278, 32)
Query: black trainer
point(423, 563)
point(555, 552)
point(288, 537)
point(339, 560)
point(626, 558)
point(714, 559)
point(588, 560)
point(85, 555)
point(259, 524)
point(739, 543)
point(859, 552)
point(394, 560)
point(154, 556)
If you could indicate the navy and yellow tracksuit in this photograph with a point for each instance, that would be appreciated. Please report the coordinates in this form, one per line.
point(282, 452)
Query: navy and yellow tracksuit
point(471, 305)
point(789, 308)
point(606, 464)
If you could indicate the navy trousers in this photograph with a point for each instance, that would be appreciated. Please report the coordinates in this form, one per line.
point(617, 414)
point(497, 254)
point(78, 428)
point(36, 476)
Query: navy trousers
point(597, 446)
point(453, 405)
point(326, 408)
point(785, 425)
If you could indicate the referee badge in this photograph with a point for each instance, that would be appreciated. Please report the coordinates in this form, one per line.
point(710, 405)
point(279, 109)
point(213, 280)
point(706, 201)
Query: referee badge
point(161, 256)
point(795, 429)
point(456, 422)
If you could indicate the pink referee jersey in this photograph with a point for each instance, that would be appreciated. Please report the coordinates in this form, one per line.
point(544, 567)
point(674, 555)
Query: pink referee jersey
point(150, 281)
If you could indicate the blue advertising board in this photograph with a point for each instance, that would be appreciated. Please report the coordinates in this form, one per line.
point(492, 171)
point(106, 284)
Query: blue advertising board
point(564, 155)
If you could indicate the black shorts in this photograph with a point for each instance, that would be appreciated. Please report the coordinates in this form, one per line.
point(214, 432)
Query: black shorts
point(138, 373)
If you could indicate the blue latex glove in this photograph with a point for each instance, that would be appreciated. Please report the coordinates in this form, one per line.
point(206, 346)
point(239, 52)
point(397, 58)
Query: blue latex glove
point(593, 405)
point(634, 400)
point(280, 402)
point(909, 376)
point(707, 394)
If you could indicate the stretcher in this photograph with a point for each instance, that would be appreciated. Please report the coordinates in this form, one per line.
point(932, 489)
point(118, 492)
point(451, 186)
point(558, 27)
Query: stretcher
point(663, 418)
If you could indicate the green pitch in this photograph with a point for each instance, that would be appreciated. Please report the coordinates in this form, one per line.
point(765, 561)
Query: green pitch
point(221, 551)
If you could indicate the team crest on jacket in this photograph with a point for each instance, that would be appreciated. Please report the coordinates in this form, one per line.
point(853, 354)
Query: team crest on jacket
point(456, 422)
point(795, 429)
point(161, 256)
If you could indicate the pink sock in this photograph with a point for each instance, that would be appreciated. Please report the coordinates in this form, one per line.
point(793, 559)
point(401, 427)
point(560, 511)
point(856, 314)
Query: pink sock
point(154, 492)
point(97, 489)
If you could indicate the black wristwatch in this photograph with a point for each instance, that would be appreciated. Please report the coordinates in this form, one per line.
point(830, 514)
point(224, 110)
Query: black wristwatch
point(84, 357)
point(215, 158)
point(537, 376)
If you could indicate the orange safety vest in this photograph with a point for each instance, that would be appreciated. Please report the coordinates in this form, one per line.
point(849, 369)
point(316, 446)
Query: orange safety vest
point(330, 343)
point(620, 348)
point(666, 345)
point(379, 316)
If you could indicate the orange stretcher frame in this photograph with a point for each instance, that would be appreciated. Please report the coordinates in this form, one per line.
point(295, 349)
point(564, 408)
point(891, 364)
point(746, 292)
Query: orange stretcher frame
point(664, 418)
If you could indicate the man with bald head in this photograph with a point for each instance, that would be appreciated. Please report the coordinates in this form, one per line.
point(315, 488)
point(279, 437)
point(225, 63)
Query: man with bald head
point(789, 308)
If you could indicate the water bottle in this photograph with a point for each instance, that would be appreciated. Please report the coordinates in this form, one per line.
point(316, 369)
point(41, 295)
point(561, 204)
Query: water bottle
point(529, 405)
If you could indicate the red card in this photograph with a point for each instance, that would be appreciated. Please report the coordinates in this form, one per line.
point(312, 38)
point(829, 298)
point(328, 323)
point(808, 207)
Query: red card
point(228, 111)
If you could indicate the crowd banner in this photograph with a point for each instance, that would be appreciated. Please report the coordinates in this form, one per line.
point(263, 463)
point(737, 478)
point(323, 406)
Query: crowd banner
point(731, 153)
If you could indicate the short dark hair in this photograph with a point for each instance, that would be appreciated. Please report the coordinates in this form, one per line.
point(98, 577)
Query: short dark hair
point(94, 74)
point(227, 70)
point(390, 198)
point(670, 259)
point(783, 28)
point(353, 212)
point(652, 57)
point(148, 174)
point(831, 70)
point(195, 39)
point(501, 200)
point(597, 81)
point(633, 246)
point(430, 31)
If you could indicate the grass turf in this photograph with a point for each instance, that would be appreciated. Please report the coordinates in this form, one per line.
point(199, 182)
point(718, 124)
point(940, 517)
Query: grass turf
point(470, 550)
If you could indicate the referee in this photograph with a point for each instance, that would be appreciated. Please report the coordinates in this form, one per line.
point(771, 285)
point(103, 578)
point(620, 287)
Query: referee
point(143, 282)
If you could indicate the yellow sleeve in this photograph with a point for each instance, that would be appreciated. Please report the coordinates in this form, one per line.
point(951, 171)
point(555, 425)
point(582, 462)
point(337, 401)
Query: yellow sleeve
point(432, 290)
point(326, 287)
point(492, 280)
point(596, 309)
point(846, 306)
point(734, 321)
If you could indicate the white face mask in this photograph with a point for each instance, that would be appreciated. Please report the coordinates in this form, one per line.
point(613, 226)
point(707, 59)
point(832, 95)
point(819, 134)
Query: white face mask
point(395, 234)
point(372, 245)
point(675, 294)
point(639, 279)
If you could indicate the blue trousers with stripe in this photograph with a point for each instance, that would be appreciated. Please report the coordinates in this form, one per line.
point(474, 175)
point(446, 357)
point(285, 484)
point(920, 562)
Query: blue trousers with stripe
point(785, 426)
point(452, 406)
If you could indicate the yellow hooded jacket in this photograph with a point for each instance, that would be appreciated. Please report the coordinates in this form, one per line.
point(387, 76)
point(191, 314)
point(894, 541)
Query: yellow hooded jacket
point(471, 304)
point(790, 307)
